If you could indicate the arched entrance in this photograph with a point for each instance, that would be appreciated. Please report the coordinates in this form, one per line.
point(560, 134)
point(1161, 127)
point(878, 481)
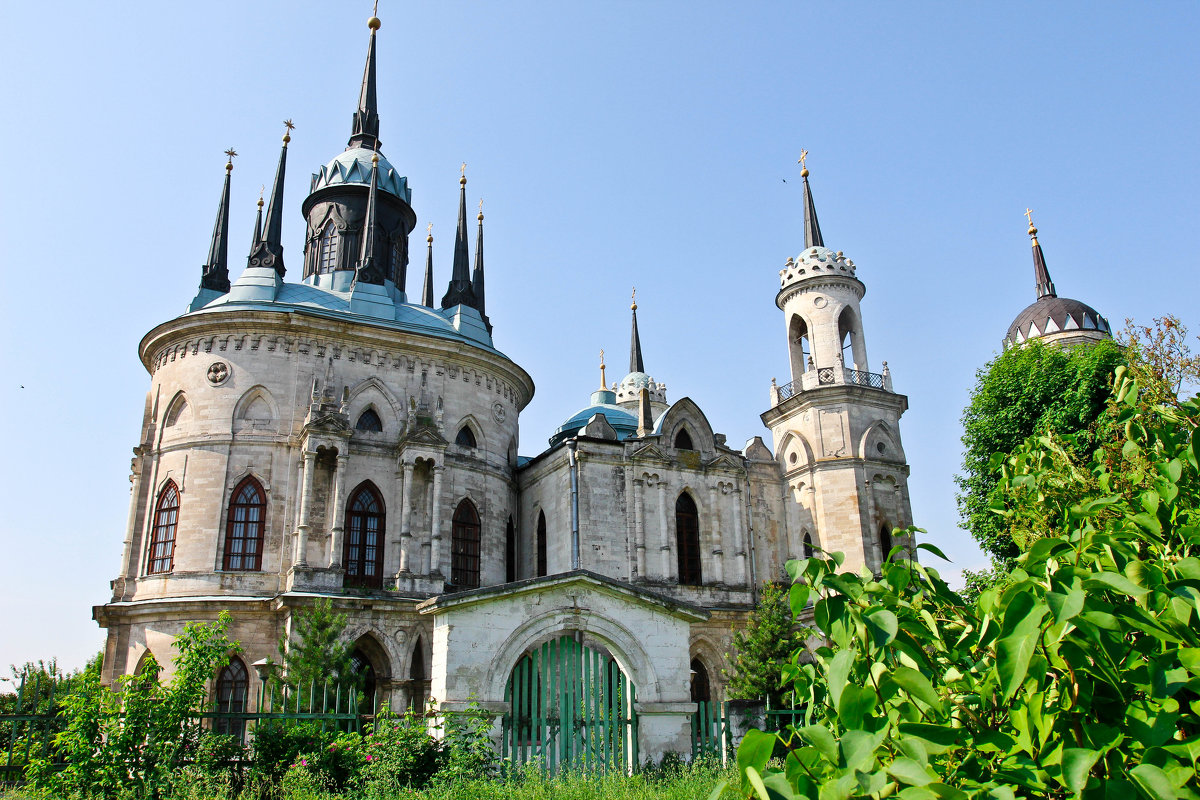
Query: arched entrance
point(570, 706)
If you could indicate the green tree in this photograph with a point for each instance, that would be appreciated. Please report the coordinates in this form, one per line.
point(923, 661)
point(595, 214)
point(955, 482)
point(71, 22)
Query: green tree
point(317, 653)
point(763, 647)
point(1080, 677)
point(1027, 390)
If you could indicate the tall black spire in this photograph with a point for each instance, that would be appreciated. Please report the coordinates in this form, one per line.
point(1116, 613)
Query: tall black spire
point(215, 274)
point(460, 292)
point(635, 341)
point(268, 250)
point(477, 275)
point(1045, 286)
point(368, 271)
point(366, 116)
point(812, 228)
point(427, 289)
point(257, 224)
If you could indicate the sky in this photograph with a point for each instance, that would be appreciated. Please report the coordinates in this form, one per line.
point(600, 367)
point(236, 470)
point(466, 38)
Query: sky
point(616, 144)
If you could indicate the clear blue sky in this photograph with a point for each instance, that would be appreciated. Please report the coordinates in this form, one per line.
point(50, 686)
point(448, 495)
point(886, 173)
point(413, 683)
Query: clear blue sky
point(615, 144)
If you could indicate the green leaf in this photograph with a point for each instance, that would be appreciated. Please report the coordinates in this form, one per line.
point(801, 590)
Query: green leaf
point(1077, 762)
point(798, 598)
point(839, 674)
point(1065, 606)
point(858, 748)
point(918, 687)
point(1116, 582)
point(819, 737)
point(756, 781)
point(1012, 660)
point(932, 549)
point(937, 738)
point(755, 751)
point(855, 704)
point(719, 789)
point(882, 625)
point(1153, 781)
point(910, 772)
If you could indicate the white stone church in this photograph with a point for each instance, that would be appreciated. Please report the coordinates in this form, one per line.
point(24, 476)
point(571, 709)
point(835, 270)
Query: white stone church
point(346, 436)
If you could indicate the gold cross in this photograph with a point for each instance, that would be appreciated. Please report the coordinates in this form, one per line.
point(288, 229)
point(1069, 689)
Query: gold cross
point(429, 229)
point(1029, 215)
point(633, 296)
point(231, 153)
point(375, 9)
point(464, 169)
point(481, 205)
point(287, 123)
point(803, 157)
point(603, 382)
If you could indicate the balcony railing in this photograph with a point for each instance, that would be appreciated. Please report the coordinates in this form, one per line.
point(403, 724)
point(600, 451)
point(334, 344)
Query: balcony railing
point(831, 376)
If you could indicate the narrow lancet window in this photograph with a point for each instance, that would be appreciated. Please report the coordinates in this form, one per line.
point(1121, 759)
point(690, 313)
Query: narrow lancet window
point(363, 557)
point(687, 539)
point(464, 546)
point(162, 536)
point(327, 249)
point(244, 532)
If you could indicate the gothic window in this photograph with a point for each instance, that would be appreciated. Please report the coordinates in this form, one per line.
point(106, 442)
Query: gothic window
point(701, 692)
point(327, 249)
point(416, 677)
point(541, 544)
point(369, 421)
point(683, 440)
point(175, 411)
point(464, 546)
point(147, 663)
point(510, 552)
point(244, 533)
point(398, 260)
point(363, 556)
point(799, 344)
point(162, 535)
point(851, 339)
point(368, 682)
point(687, 539)
point(806, 546)
point(465, 437)
point(232, 685)
point(885, 543)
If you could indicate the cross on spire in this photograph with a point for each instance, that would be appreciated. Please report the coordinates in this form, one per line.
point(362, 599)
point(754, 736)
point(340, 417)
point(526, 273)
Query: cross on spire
point(1029, 215)
point(803, 158)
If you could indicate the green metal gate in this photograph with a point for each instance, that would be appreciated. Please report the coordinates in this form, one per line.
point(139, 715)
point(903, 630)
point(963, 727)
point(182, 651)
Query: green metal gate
point(571, 707)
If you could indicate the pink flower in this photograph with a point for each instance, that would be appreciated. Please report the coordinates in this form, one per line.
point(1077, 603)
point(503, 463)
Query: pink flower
point(303, 763)
point(368, 758)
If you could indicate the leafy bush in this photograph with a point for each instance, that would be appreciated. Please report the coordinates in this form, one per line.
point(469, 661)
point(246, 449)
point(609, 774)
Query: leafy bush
point(278, 744)
point(1080, 677)
point(467, 751)
point(399, 753)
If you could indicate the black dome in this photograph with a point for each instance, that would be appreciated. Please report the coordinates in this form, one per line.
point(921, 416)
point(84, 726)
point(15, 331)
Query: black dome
point(1066, 314)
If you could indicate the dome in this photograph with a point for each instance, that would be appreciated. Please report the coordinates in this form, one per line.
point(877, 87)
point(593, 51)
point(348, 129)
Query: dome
point(816, 262)
point(1055, 314)
point(623, 422)
point(353, 166)
point(636, 380)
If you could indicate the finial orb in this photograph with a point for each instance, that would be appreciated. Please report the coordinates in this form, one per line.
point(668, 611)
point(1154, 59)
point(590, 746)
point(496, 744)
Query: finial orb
point(480, 217)
point(375, 158)
point(804, 172)
point(462, 181)
point(229, 167)
point(373, 23)
point(287, 137)
point(1032, 230)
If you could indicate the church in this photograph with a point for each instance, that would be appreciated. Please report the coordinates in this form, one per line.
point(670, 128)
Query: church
point(351, 435)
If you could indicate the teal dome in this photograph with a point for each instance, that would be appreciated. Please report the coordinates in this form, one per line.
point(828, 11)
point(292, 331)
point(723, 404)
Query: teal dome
point(623, 422)
point(354, 166)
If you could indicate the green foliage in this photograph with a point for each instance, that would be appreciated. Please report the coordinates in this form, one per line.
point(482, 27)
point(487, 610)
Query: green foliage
point(278, 744)
point(1033, 389)
point(399, 753)
point(317, 655)
point(130, 741)
point(467, 752)
point(1079, 678)
point(763, 647)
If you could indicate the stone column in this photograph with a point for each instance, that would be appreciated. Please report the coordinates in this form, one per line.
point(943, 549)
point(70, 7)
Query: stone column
point(336, 530)
point(435, 528)
point(639, 528)
point(301, 556)
point(739, 540)
point(405, 503)
point(664, 531)
point(718, 572)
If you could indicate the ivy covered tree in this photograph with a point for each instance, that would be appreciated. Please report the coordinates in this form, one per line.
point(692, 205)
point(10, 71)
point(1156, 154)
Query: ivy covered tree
point(763, 647)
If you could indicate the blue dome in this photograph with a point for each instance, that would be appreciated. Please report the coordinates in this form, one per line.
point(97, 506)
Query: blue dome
point(354, 166)
point(623, 422)
point(637, 380)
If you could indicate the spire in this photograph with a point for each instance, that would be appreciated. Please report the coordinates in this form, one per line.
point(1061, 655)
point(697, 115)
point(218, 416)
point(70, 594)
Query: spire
point(1045, 286)
point(257, 221)
point(215, 274)
point(366, 117)
point(268, 251)
point(427, 289)
point(635, 342)
point(460, 291)
point(367, 271)
point(603, 383)
point(812, 228)
point(477, 275)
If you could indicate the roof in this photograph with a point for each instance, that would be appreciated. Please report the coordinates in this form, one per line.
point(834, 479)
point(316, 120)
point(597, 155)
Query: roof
point(624, 422)
point(353, 166)
point(1053, 314)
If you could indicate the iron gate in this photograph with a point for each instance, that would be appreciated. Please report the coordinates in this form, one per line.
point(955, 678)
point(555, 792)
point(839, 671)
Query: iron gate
point(571, 707)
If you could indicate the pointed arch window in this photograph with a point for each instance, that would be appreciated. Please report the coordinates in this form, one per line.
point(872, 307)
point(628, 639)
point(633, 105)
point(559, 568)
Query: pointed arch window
point(687, 540)
point(885, 543)
point(327, 249)
point(162, 534)
point(232, 687)
point(510, 552)
point(464, 546)
point(465, 438)
point(806, 546)
point(369, 422)
point(368, 681)
point(800, 346)
point(417, 678)
point(363, 556)
point(541, 544)
point(175, 411)
point(683, 440)
point(701, 689)
point(397, 271)
point(247, 522)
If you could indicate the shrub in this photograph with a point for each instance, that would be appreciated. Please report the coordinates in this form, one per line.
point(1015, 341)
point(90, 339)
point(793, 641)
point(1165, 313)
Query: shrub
point(467, 751)
point(397, 753)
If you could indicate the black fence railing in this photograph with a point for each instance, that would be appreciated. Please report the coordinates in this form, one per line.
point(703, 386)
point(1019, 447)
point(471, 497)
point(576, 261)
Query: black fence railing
point(829, 376)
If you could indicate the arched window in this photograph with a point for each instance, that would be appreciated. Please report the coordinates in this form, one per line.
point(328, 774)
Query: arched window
point(683, 440)
point(806, 546)
point(850, 338)
point(244, 531)
point(510, 552)
point(464, 546)
point(232, 686)
point(363, 557)
point(175, 411)
point(327, 249)
point(417, 678)
point(368, 683)
point(701, 692)
point(541, 544)
point(799, 344)
point(162, 535)
point(397, 271)
point(465, 437)
point(147, 663)
point(369, 421)
point(885, 543)
point(687, 539)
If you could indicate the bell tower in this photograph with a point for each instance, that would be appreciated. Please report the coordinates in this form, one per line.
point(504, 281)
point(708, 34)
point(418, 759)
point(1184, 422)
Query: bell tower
point(836, 424)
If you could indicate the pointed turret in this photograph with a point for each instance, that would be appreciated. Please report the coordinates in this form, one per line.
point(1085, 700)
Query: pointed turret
point(635, 341)
point(368, 270)
point(477, 275)
point(460, 291)
point(257, 223)
point(427, 289)
point(366, 116)
point(1041, 275)
point(215, 275)
point(812, 228)
point(268, 251)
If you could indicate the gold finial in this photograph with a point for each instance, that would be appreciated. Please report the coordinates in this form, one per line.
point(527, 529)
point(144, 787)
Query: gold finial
point(375, 158)
point(373, 23)
point(481, 209)
point(803, 166)
point(1032, 230)
point(287, 136)
point(229, 165)
point(463, 180)
point(429, 230)
point(633, 306)
point(603, 382)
